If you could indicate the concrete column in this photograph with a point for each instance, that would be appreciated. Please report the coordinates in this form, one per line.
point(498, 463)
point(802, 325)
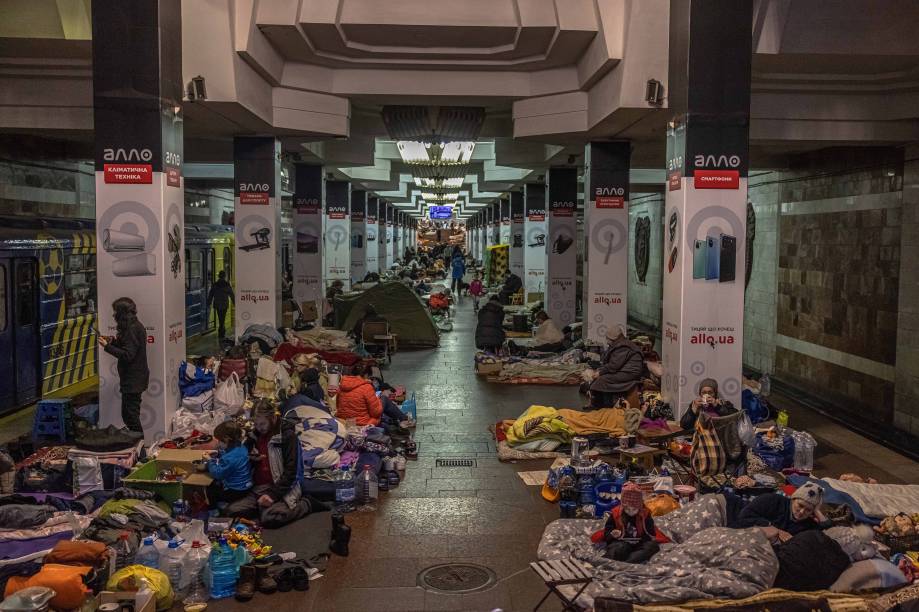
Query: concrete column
point(606, 226)
point(307, 210)
point(906, 402)
point(561, 270)
point(137, 100)
point(358, 235)
point(257, 178)
point(705, 213)
point(516, 238)
point(397, 236)
point(373, 236)
point(337, 239)
point(386, 259)
point(534, 239)
point(496, 223)
point(505, 219)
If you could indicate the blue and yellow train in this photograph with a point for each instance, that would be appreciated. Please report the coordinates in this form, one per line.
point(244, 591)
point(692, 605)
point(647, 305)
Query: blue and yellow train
point(48, 302)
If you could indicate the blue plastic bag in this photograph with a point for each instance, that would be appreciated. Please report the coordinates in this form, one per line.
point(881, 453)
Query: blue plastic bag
point(755, 406)
point(410, 407)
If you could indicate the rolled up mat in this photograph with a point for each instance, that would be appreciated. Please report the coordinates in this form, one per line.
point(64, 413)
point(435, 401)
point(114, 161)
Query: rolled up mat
point(114, 241)
point(136, 265)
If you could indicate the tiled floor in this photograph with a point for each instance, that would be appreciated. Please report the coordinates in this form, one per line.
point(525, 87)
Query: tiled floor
point(484, 514)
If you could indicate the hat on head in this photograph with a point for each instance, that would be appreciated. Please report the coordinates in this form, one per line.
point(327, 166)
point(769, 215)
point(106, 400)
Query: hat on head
point(264, 408)
point(810, 493)
point(311, 375)
point(708, 382)
point(631, 496)
point(614, 332)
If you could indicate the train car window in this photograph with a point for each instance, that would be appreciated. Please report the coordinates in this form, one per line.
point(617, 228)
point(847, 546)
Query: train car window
point(194, 277)
point(25, 293)
point(228, 263)
point(79, 285)
point(3, 316)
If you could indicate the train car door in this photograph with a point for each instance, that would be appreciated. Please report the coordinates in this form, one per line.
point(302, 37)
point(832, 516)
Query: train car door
point(19, 329)
point(7, 352)
point(210, 276)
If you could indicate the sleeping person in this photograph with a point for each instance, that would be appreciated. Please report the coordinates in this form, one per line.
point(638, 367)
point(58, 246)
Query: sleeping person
point(790, 515)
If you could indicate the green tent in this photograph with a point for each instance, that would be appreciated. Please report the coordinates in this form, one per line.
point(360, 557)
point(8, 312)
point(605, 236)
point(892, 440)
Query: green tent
point(408, 317)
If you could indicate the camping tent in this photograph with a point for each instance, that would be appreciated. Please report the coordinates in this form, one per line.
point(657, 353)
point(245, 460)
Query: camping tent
point(408, 318)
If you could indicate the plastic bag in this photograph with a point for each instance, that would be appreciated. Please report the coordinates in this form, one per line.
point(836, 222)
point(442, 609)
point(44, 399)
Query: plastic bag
point(184, 422)
point(137, 577)
point(229, 394)
point(745, 431)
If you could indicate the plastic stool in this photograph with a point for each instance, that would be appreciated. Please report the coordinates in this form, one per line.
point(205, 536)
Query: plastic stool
point(51, 417)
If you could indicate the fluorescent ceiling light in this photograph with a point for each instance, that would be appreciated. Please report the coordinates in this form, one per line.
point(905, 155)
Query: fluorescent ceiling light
point(433, 183)
point(459, 152)
point(414, 152)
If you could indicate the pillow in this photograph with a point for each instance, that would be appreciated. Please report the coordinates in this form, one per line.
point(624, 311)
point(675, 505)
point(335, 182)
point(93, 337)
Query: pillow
point(867, 575)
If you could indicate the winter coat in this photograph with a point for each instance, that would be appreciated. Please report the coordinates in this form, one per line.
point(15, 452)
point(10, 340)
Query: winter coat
point(489, 331)
point(357, 400)
point(284, 459)
point(130, 349)
point(232, 469)
point(621, 370)
point(689, 418)
point(221, 295)
point(459, 267)
point(511, 286)
point(772, 509)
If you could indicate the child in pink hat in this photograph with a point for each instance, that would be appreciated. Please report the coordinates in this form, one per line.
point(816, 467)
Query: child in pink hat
point(629, 533)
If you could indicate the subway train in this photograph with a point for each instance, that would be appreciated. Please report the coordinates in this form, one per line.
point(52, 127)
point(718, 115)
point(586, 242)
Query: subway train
point(48, 301)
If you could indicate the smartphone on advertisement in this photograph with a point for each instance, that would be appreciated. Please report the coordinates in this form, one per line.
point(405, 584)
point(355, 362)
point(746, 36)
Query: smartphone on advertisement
point(699, 253)
point(728, 259)
point(712, 257)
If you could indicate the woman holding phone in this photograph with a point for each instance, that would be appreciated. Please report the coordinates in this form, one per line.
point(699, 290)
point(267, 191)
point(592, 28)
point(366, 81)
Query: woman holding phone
point(129, 347)
point(707, 402)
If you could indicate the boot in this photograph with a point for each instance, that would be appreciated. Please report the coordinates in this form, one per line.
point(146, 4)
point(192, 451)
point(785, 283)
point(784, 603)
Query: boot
point(301, 579)
point(245, 587)
point(341, 536)
point(285, 580)
point(263, 581)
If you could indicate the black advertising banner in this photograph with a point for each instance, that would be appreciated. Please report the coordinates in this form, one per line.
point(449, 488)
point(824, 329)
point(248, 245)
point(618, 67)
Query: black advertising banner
point(254, 167)
point(516, 255)
point(336, 199)
point(517, 207)
point(372, 209)
point(563, 192)
point(359, 233)
point(372, 236)
point(307, 209)
point(337, 231)
point(358, 205)
point(505, 211)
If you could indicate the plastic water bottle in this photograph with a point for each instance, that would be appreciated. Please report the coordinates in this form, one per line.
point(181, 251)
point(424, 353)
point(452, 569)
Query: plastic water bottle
point(124, 555)
point(222, 565)
point(344, 491)
point(765, 385)
point(148, 555)
point(193, 573)
point(369, 490)
point(171, 564)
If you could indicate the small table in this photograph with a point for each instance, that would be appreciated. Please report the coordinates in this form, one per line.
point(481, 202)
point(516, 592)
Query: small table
point(644, 454)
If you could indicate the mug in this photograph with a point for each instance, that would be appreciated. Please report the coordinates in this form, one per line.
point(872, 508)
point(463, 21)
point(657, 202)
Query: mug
point(623, 441)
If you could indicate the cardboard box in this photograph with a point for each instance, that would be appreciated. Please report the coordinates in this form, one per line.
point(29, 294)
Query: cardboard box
point(144, 476)
point(143, 601)
point(487, 369)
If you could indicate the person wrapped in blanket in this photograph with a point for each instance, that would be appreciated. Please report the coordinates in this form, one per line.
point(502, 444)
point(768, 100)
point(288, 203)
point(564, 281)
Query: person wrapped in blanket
point(707, 402)
point(629, 531)
point(230, 469)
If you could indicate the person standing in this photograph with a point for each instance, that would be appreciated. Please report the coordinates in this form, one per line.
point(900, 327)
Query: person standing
point(221, 296)
point(129, 347)
point(458, 270)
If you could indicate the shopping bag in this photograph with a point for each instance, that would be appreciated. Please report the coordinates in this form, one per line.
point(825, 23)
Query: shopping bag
point(707, 455)
point(229, 394)
point(410, 407)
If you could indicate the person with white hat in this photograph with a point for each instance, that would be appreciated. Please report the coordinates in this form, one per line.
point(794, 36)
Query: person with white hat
point(788, 515)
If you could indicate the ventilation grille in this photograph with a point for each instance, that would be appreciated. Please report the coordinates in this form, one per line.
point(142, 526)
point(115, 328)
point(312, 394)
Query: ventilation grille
point(455, 463)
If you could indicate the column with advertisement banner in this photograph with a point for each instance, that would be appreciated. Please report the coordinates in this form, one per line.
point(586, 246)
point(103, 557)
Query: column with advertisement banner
point(505, 230)
point(705, 214)
point(382, 249)
point(140, 221)
point(307, 211)
point(390, 211)
point(496, 223)
point(358, 235)
point(516, 239)
point(606, 226)
point(534, 239)
point(396, 235)
point(337, 232)
point(257, 183)
point(561, 268)
point(371, 239)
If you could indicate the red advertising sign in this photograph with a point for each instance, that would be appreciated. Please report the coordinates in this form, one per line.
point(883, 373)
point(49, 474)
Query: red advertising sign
point(716, 179)
point(610, 202)
point(173, 177)
point(674, 181)
point(257, 198)
point(307, 206)
point(537, 217)
point(138, 174)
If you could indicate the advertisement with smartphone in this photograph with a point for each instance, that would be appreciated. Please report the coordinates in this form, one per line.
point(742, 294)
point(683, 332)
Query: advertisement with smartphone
point(561, 270)
point(534, 238)
point(307, 212)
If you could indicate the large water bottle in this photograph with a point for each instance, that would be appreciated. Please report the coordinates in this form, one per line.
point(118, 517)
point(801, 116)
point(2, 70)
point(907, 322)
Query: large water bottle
point(345, 493)
point(148, 555)
point(222, 565)
point(193, 573)
point(124, 553)
point(368, 490)
point(765, 385)
point(171, 564)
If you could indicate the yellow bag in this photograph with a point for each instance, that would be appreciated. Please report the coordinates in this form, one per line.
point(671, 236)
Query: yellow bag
point(136, 577)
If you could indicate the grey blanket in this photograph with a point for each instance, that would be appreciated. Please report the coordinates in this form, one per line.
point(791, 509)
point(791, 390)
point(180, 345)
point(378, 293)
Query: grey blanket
point(713, 562)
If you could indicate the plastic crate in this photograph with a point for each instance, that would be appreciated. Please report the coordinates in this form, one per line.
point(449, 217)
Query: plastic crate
point(144, 476)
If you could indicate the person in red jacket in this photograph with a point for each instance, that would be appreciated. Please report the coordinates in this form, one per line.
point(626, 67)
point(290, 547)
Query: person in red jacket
point(629, 531)
point(357, 399)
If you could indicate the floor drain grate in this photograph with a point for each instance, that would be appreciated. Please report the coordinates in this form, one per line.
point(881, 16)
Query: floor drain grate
point(455, 463)
point(457, 578)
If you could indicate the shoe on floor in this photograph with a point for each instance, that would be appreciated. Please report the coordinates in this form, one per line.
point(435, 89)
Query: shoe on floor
point(263, 580)
point(285, 580)
point(301, 579)
point(245, 586)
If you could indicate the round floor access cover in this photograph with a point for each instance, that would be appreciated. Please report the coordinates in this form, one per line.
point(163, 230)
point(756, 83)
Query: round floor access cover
point(456, 578)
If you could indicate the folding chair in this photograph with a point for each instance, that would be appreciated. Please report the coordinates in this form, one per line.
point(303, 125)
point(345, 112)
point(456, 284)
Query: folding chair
point(377, 340)
point(560, 572)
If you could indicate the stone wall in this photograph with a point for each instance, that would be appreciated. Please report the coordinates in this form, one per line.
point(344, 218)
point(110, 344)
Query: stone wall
point(760, 296)
point(645, 298)
point(906, 400)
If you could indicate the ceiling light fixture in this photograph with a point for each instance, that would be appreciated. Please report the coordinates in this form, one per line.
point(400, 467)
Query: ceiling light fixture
point(414, 152)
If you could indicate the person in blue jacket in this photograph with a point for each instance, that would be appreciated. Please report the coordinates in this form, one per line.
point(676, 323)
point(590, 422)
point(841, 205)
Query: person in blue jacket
point(458, 267)
point(230, 470)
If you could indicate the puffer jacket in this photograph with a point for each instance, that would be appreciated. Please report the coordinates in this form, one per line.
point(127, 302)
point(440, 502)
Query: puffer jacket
point(232, 469)
point(621, 370)
point(489, 331)
point(357, 400)
point(228, 366)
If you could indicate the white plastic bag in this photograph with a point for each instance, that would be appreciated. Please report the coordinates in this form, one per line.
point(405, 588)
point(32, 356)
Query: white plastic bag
point(199, 403)
point(745, 431)
point(229, 394)
point(185, 421)
point(87, 475)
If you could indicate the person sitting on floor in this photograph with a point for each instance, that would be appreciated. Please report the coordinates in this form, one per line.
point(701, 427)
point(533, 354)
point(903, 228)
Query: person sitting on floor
point(489, 329)
point(629, 531)
point(620, 373)
point(276, 498)
point(708, 402)
point(357, 400)
point(392, 415)
point(230, 470)
point(310, 386)
point(512, 284)
point(790, 515)
point(370, 316)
